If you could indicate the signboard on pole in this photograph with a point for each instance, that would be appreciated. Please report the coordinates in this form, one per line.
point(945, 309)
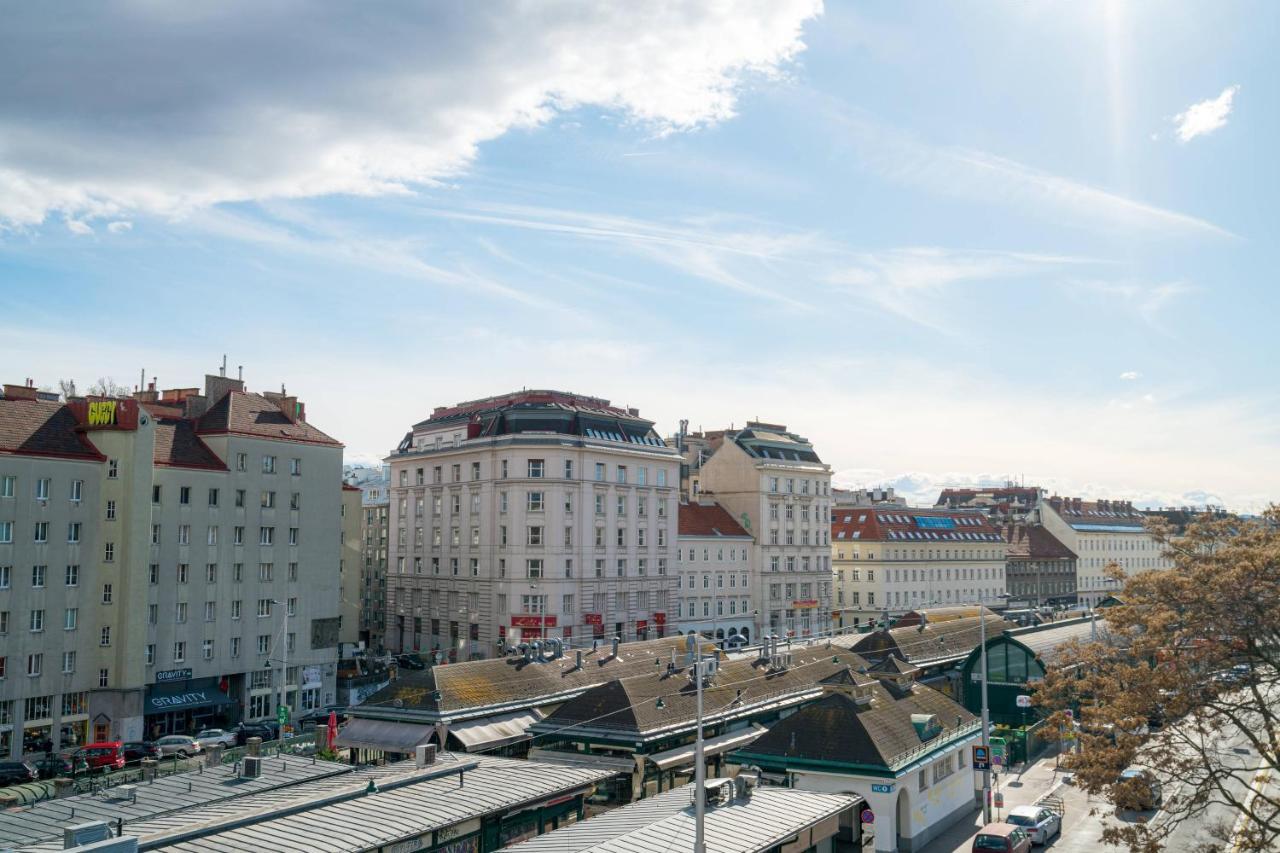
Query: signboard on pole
point(1023, 701)
point(282, 714)
point(981, 757)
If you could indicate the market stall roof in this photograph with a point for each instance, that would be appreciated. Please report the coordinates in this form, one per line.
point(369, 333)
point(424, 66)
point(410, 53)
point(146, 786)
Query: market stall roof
point(683, 755)
point(384, 735)
point(496, 731)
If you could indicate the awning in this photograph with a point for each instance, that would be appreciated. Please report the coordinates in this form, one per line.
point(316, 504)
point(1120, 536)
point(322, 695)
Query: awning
point(196, 693)
point(494, 731)
point(382, 735)
point(682, 755)
point(583, 759)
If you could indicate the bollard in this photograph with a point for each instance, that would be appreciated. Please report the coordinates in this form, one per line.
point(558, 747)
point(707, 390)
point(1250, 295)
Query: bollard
point(253, 746)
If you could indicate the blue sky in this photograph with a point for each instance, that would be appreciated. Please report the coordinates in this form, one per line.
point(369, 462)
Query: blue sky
point(948, 243)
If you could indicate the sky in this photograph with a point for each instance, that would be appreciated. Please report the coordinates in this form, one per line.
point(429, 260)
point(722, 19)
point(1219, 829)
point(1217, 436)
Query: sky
point(948, 243)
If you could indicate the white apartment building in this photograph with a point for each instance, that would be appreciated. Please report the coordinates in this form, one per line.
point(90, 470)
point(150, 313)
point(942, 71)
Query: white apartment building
point(773, 483)
point(1100, 533)
point(713, 559)
point(160, 558)
point(530, 515)
point(375, 500)
point(896, 559)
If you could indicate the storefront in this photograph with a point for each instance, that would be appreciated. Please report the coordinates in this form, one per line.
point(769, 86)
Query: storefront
point(188, 705)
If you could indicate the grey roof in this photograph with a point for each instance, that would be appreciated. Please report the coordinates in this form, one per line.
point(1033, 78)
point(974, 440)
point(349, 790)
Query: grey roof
point(499, 685)
point(665, 823)
point(344, 819)
point(936, 642)
point(176, 793)
point(1045, 641)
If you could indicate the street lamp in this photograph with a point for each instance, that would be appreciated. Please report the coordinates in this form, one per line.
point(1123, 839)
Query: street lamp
point(284, 713)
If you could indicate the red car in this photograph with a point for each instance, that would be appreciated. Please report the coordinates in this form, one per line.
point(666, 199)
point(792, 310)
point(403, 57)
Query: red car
point(107, 753)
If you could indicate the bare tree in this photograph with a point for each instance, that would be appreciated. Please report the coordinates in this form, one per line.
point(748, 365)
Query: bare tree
point(67, 387)
point(1187, 687)
point(107, 387)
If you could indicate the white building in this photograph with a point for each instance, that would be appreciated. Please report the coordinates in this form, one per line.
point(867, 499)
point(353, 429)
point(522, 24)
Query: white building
point(713, 558)
point(897, 559)
point(1100, 533)
point(530, 515)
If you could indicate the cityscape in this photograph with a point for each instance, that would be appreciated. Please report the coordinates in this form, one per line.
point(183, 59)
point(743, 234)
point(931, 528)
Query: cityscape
point(750, 427)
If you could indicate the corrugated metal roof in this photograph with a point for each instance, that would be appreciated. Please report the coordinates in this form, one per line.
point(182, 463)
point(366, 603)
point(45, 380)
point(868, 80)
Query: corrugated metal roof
point(179, 792)
point(366, 822)
point(665, 823)
point(494, 731)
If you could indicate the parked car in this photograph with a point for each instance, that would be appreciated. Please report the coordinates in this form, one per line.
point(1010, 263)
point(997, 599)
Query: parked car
point(265, 730)
point(211, 737)
point(136, 750)
point(17, 772)
point(320, 716)
point(411, 661)
point(106, 754)
point(182, 746)
point(1001, 837)
point(1139, 789)
point(65, 764)
point(1039, 823)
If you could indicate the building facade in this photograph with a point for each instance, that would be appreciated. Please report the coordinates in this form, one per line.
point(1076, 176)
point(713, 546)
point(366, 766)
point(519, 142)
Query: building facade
point(375, 510)
point(350, 565)
point(893, 560)
point(1006, 503)
point(163, 560)
point(1039, 568)
point(713, 558)
point(526, 516)
point(1101, 532)
point(774, 484)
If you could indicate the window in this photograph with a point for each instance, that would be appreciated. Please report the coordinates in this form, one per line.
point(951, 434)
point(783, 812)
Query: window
point(235, 609)
point(35, 663)
point(534, 502)
point(295, 502)
point(568, 469)
point(104, 638)
point(536, 467)
point(264, 607)
point(268, 464)
point(293, 536)
point(4, 621)
point(37, 577)
point(6, 576)
point(662, 476)
point(68, 661)
point(179, 652)
point(111, 510)
point(6, 532)
point(235, 647)
point(534, 568)
point(210, 611)
point(70, 618)
point(180, 612)
point(73, 532)
point(622, 537)
point(206, 649)
point(622, 473)
point(42, 489)
point(622, 505)
point(77, 489)
point(600, 472)
point(295, 466)
point(266, 535)
point(37, 621)
point(109, 552)
point(184, 495)
point(568, 503)
point(42, 531)
point(72, 576)
point(7, 485)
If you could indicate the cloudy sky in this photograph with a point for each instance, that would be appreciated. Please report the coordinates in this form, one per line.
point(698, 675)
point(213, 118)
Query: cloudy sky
point(949, 244)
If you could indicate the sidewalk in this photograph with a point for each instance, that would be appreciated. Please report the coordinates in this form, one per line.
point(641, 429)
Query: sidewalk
point(1019, 788)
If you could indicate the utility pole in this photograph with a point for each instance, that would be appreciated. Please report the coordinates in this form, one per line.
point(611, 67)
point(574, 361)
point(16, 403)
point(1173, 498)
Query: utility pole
point(986, 723)
point(284, 671)
point(700, 764)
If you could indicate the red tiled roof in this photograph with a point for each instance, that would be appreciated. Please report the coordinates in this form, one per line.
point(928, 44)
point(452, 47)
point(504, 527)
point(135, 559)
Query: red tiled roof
point(347, 487)
point(43, 428)
point(242, 413)
point(708, 520)
point(164, 410)
point(177, 445)
point(1033, 542)
point(1096, 512)
point(902, 524)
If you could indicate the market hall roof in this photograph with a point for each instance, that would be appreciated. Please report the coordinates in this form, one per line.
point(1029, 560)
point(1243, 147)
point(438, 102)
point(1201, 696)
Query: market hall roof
point(465, 690)
point(935, 642)
point(911, 525)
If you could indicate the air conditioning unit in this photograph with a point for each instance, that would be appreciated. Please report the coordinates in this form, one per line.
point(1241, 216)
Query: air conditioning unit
point(85, 833)
point(252, 767)
point(425, 755)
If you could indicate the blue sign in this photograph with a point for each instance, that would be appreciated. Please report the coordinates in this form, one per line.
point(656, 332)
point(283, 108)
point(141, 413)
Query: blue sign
point(882, 789)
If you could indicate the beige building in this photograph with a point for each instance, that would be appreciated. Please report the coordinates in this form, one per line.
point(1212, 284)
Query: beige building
point(527, 516)
point(1099, 533)
point(375, 502)
point(774, 485)
point(897, 559)
point(350, 566)
point(160, 557)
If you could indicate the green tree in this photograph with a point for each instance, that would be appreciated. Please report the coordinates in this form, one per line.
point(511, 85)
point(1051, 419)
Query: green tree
point(1157, 690)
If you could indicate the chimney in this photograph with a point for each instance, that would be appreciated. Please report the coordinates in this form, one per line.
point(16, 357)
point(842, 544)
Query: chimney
point(217, 387)
point(20, 392)
point(194, 406)
point(149, 395)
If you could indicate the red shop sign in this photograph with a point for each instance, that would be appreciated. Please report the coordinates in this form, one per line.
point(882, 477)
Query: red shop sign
point(533, 621)
point(659, 618)
point(593, 618)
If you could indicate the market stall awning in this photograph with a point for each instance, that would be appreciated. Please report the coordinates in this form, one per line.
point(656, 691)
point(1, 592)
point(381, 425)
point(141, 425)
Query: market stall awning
point(682, 755)
point(194, 693)
point(583, 759)
point(383, 735)
point(494, 731)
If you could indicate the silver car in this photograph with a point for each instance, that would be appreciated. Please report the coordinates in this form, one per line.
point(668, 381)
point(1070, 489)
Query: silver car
point(179, 745)
point(1038, 822)
point(212, 737)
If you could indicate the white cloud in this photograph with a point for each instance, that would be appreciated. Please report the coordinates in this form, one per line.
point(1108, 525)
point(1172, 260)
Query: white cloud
point(1205, 116)
point(1130, 375)
point(119, 226)
point(251, 101)
point(78, 228)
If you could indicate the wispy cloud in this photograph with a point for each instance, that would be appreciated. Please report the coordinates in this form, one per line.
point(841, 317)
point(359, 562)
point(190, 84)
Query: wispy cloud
point(1147, 299)
point(989, 178)
point(1205, 116)
point(1130, 375)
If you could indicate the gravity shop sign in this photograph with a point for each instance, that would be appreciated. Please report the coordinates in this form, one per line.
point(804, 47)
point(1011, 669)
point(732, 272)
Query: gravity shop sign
point(173, 675)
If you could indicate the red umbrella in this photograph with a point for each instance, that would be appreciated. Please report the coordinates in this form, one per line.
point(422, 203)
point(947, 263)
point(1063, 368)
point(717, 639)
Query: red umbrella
point(332, 733)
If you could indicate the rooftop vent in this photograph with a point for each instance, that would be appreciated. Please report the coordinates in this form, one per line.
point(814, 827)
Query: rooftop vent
point(85, 833)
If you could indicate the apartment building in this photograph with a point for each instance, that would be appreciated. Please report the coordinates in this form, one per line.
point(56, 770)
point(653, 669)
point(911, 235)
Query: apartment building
point(1101, 532)
point(160, 558)
point(893, 560)
point(713, 560)
point(350, 566)
point(375, 502)
point(1009, 502)
point(1039, 569)
point(530, 515)
point(774, 484)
